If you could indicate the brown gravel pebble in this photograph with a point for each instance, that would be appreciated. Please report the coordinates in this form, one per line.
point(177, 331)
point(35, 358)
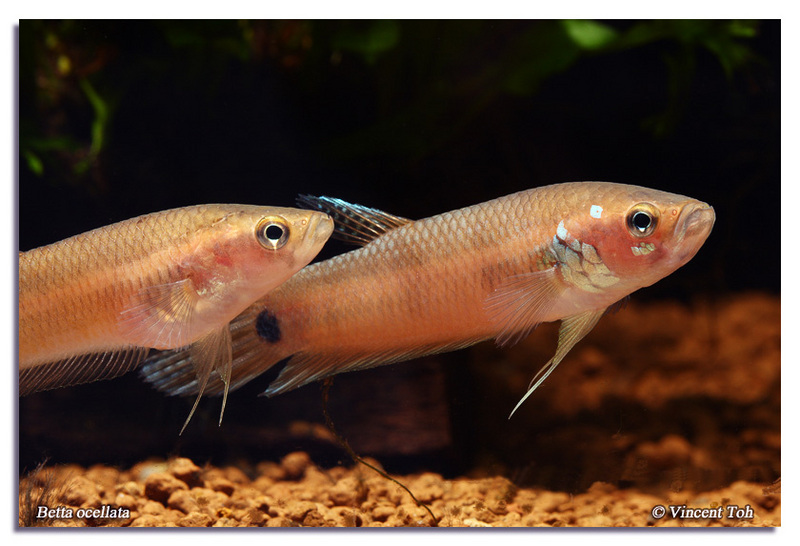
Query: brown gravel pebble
point(195, 519)
point(82, 491)
point(347, 492)
point(295, 464)
point(149, 520)
point(186, 471)
point(160, 486)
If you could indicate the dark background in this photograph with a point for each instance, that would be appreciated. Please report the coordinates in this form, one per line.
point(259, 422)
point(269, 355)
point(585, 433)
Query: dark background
point(413, 117)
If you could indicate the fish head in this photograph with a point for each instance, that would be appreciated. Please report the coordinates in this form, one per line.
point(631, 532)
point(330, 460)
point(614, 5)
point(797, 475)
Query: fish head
point(249, 250)
point(631, 237)
point(281, 241)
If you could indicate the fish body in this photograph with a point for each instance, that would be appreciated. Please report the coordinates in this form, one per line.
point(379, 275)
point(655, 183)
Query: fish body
point(493, 270)
point(92, 305)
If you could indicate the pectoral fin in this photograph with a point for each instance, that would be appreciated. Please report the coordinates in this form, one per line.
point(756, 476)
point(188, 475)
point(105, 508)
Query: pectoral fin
point(160, 316)
point(520, 302)
point(211, 353)
point(572, 330)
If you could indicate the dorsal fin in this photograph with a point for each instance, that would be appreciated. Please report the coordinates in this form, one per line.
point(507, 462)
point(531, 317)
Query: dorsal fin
point(354, 224)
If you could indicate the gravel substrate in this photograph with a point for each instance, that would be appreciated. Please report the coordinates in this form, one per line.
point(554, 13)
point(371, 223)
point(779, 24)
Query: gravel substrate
point(297, 493)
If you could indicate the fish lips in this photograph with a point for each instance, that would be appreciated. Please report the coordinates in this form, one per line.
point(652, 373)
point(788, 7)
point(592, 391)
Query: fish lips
point(692, 229)
point(321, 228)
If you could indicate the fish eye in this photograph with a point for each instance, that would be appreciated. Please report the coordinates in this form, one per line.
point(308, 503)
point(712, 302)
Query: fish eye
point(272, 233)
point(642, 220)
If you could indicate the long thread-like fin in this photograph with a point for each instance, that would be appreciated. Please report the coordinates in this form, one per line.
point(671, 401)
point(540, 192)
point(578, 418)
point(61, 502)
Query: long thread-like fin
point(572, 330)
point(520, 302)
point(354, 224)
point(224, 370)
point(161, 315)
point(79, 369)
point(210, 353)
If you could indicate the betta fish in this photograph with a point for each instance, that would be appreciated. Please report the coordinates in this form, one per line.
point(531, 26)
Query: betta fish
point(494, 270)
point(91, 306)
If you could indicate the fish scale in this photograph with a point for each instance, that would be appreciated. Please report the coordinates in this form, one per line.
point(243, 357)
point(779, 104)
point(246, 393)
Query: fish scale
point(493, 270)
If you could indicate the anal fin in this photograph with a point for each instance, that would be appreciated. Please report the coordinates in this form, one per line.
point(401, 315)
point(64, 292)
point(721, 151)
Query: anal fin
point(80, 369)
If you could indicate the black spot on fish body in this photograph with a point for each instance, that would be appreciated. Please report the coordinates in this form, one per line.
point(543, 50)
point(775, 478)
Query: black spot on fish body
point(267, 327)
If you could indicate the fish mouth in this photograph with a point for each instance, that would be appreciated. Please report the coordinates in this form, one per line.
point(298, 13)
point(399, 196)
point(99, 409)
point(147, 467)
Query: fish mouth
point(693, 228)
point(320, 227)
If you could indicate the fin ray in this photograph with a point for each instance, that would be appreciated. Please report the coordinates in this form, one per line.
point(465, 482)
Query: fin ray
point(211, 353)
point(520, 302)
point(572, 330)
point(80, 369)
point(161, 315)
point(304, 368)
point(354, 224)
point(173, 371)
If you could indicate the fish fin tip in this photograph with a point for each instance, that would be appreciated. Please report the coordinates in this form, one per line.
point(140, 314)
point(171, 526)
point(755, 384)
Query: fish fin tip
point(572, 330)
point(191, 413)
point(211, 353)
point(355, 224)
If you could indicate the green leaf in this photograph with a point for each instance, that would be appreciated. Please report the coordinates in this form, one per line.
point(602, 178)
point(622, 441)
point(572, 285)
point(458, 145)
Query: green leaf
point(34, 163)
point(99, 125)
point(589, 34)
point(744, 29)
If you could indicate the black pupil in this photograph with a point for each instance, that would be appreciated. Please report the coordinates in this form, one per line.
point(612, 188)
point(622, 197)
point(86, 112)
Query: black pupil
point(274, 232)
point(641, 221)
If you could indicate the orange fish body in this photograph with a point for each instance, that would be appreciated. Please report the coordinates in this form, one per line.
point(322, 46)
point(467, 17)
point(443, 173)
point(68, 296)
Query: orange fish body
point(493, 270)
point(92, 305)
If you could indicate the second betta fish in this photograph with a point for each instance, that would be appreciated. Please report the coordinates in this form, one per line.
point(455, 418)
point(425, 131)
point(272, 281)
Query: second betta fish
point(493, 270)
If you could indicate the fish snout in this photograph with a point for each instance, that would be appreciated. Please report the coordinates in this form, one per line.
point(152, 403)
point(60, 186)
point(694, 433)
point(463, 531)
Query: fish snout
point(692, 230)
point(320, 228)
point(697, 220)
